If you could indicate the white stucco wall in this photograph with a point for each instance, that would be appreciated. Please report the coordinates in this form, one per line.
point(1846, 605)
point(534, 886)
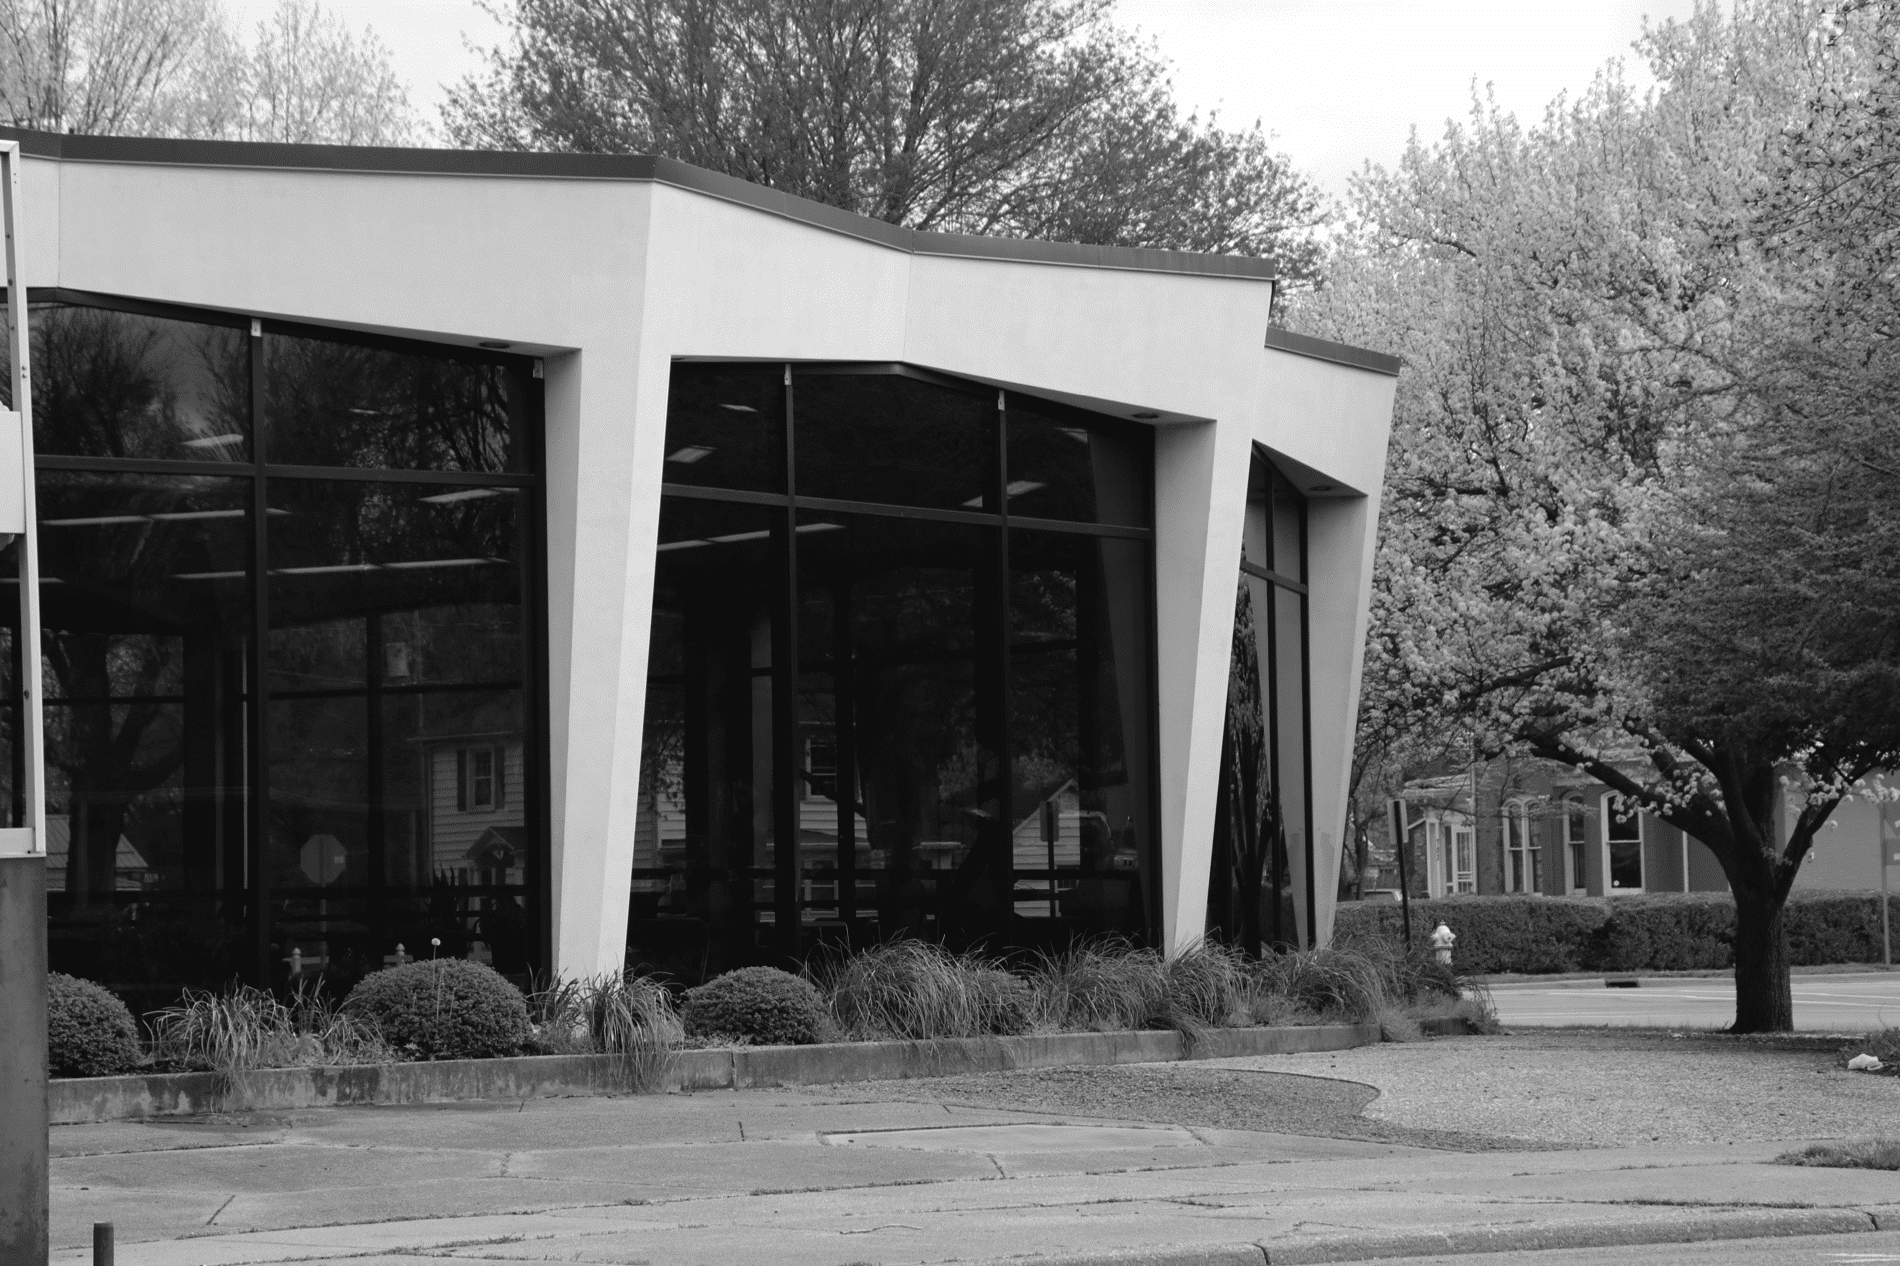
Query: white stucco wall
point(611, 280)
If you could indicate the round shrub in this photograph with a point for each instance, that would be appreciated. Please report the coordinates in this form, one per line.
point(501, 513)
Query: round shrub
point(450, 1008)
point(759, 1004)
point(89, 1032)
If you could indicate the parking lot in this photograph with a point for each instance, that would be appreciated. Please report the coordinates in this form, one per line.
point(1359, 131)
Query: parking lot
point(1823, 1004)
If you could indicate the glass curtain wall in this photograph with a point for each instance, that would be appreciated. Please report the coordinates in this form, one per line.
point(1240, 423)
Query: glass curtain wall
point(901, 670)
point(1260, 894)
point(289, 584)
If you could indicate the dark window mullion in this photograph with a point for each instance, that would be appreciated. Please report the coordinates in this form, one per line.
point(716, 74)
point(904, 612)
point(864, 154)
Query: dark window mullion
point(1271, 576)
point(258, 792)
point(786, 913)
point(1005, 753)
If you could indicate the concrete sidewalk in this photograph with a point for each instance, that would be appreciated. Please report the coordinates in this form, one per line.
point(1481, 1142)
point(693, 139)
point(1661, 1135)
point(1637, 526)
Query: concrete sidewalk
point(915, 1174)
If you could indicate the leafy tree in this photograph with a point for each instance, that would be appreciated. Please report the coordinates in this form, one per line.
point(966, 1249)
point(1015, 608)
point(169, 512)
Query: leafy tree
point(178, 68)
point(1631, 523)
point(1032, 117)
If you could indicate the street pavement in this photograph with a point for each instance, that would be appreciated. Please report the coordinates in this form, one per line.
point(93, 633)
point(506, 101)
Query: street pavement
point(1851, 1003)
point(915, 1174)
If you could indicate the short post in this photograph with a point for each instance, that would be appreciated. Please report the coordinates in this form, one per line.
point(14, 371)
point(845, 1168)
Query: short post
point(102, 1244)
point(1887, 855)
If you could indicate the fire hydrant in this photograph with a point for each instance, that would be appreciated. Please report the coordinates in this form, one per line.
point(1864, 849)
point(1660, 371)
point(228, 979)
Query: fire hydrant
point(1442, 940)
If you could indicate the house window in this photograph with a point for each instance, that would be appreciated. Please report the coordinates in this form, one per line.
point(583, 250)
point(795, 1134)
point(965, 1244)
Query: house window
point(479, 779)
point(1576, 834)
point(1464, 860)
point(1523, 864)
point(1622, 848)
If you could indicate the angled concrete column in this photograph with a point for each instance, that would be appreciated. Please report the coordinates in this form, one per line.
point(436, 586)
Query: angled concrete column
point(1200, 510)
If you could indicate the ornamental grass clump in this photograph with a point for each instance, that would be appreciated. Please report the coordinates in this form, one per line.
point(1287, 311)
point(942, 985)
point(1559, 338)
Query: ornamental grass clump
point(1102, 986)
point(613, 1013)
point(449, 1008)
point(917, 989)
point(246, 1028)
point(90, 1033)
point(761, 1005)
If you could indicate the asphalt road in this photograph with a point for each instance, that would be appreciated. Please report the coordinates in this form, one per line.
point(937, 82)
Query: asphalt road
point(1822, 1004)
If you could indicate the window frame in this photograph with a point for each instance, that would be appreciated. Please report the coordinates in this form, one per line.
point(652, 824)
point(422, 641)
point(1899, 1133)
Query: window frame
point(1605, 815)
point(255, 890)
point(1576, 839)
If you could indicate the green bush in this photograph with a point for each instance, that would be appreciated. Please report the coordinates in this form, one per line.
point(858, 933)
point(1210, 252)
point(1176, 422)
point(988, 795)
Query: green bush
point(1495, 934)
point(449, 1008)
point(89, 1032)
point(757, 1004)
point(1656, 932)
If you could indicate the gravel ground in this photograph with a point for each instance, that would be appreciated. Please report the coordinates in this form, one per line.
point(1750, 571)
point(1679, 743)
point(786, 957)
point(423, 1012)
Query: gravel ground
point(1562, 1089)
point(1223, 1098)
point(1611, 1089)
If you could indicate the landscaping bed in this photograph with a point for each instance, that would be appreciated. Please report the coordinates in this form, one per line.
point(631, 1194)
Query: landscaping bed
point(89, 1099)
point(451, 1029)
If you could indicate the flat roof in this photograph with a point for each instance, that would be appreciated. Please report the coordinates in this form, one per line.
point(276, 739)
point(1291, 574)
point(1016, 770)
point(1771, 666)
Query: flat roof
point(625, 167)
point(506, 164)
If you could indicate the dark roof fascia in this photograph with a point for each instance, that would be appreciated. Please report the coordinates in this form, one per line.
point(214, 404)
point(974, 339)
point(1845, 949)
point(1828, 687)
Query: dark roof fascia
point(1338, 353)
point(622, 167)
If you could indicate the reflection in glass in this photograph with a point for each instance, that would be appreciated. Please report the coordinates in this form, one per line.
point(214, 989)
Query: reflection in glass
point(145, 596)
point(116, 384)
point(329, 403)
point(1258, 891)
point(704, 855)
point(725, 426)
point(1079, 731)
point(894, 440)
point(901, 694)
point(396, 725)
point(961, 744)
point(1064, 466)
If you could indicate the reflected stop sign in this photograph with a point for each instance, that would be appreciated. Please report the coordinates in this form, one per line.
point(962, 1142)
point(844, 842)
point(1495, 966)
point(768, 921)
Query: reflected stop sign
point(323, 858)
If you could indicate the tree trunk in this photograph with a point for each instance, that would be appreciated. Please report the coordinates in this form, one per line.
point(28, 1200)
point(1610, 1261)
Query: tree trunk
point(1764, 1003)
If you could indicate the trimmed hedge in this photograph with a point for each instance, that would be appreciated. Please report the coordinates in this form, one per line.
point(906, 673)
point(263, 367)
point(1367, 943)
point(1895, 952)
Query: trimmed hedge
point(760, 1004)
point(89, 1032)
point(1658, 932)
point(447, 1008)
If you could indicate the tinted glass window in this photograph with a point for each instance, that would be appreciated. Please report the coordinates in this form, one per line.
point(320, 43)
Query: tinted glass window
point(113, 384)
point(725, 427)
point(1061, 468)
point(341, 404)
point(894, 440)
point(145, 615)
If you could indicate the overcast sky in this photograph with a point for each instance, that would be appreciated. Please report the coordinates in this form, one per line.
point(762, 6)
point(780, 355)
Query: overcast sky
point(1339, 82)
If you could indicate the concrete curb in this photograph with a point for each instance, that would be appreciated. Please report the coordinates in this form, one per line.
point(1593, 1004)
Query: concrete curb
point(1704, 1226)
point(80, 1100)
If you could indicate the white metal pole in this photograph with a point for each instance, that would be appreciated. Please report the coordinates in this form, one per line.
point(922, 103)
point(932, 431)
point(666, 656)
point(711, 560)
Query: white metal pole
point(23, 1102)
point(32, 732)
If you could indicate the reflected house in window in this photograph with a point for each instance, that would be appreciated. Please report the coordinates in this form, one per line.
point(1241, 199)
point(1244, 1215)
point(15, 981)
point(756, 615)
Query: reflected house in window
point(728, 578)
point(476, 832)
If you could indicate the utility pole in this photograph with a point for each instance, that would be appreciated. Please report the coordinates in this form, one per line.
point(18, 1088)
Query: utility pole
point(23, 1109)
